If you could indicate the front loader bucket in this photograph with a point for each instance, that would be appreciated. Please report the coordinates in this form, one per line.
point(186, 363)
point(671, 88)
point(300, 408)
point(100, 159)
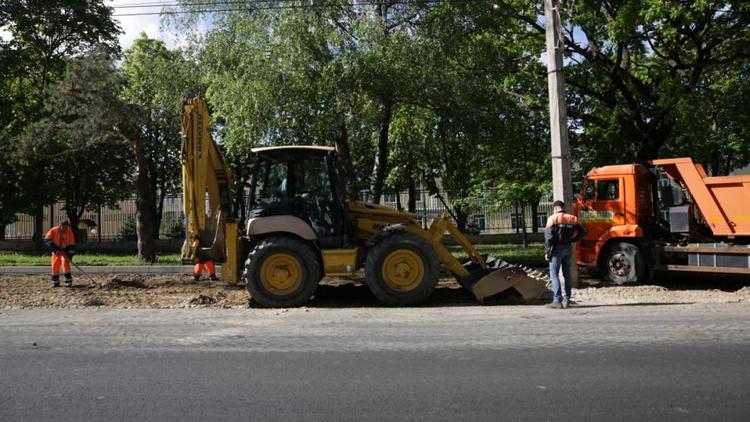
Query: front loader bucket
point(502, 276)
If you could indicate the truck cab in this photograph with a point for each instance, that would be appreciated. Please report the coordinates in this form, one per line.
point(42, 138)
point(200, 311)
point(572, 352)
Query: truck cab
point(615, 204)
point(670, 217)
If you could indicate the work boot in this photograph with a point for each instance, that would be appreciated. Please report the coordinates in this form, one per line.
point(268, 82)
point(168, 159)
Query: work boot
point(565, 303)
point(196, 278)
point(213, 277)
point(554, 305)
point(55, 280)
point(68, 280)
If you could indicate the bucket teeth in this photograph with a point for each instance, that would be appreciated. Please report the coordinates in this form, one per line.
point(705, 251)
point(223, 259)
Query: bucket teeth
point(501, 275)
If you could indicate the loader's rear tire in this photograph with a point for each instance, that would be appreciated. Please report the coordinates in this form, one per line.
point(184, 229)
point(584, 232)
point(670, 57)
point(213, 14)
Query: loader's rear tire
point(402, 270)
point(624, 263)
point(281, 272)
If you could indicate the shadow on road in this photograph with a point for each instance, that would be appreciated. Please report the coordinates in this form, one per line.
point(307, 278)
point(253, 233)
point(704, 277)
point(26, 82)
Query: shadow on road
point(681, 281)
point(358, 295)
point(605, 305)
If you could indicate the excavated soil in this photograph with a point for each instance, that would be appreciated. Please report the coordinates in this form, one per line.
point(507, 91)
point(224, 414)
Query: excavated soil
point(179, 291)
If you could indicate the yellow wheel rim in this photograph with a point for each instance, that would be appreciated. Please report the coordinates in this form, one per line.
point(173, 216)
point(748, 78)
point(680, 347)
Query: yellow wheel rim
point(281, 273)
point(403, 270)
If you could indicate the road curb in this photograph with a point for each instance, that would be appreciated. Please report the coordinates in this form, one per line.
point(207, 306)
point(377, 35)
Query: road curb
point(106, 269)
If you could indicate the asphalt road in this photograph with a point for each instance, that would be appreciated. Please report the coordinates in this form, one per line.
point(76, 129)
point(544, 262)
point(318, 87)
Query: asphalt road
point(667, 362)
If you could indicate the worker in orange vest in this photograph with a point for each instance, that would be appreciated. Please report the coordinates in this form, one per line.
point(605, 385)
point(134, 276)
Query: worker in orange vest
point(207, 265)
point(561, 231)
point(63, 244)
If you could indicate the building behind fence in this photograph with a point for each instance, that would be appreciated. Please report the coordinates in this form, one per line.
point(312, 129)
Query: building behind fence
point(112, 224)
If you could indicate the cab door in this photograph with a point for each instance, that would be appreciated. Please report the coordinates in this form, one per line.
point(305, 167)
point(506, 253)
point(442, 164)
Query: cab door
point(604, 202)
point(601, 206)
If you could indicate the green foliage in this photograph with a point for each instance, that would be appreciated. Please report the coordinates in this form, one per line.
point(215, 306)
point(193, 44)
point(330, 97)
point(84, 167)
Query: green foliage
point(157, 80)
point(30, 259)
point(43, 35)
point(647, 76)
point(532, 255)
point(89, 165)
point(439, 80)
point(446, 95)
point(128, 230)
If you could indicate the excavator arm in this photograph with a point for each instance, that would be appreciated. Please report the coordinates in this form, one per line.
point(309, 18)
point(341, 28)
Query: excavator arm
point(210, 231)
point(484, 278)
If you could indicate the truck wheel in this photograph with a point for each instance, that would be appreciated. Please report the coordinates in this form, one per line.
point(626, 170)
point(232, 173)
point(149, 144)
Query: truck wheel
point(624, 263)
point(402, 270)
point(281, 272)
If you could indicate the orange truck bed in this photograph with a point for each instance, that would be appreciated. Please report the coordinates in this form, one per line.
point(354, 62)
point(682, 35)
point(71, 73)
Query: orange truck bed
point(724, 202)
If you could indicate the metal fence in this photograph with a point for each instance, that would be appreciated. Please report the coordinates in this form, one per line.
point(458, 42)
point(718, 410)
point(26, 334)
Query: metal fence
point(102, 225)
point(110, 224)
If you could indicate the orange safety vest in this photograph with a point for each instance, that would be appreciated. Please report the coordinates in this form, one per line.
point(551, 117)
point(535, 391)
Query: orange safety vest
point(60, 238)
point(562, 219)
point(562, 229)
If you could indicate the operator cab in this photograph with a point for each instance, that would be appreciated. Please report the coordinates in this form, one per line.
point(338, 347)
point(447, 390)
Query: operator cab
point(301, 181)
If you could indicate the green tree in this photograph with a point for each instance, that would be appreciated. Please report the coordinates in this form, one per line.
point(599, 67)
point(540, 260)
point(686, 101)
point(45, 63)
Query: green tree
point(91, 166)
point(632, 63)
point(364, 76)
point(43, 33)
point(157, 80)
point(92, 103)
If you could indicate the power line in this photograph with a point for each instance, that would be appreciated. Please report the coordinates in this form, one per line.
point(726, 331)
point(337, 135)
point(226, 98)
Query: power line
point(194, 3)
point(270, 6)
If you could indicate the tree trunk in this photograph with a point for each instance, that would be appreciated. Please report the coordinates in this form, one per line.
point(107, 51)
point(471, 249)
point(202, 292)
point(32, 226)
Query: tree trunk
point(144, 200)
point(412, 207)
point(238, 203)
point(2, 232)
point(398, 201)
point(461, 219)
point(651, 143)
point(535, 216)
point(524, 236)
point(144, 222)
point(157, 213)
point(341, 139)
point(39, 232)
point(74, 218)
point(380, 167)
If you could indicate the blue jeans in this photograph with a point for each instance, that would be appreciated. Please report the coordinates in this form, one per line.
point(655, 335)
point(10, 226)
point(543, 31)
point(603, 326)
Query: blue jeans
point(561, 255)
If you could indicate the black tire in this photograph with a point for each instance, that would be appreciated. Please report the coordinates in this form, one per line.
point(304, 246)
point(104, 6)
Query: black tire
point(624, 263)
point(284, 252)
point(414, 250)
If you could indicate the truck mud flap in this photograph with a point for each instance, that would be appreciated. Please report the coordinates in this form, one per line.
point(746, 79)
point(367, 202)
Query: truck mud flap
point(501, 276)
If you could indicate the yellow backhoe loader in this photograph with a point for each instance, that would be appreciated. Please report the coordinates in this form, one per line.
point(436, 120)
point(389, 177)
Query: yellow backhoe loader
point(301, 227)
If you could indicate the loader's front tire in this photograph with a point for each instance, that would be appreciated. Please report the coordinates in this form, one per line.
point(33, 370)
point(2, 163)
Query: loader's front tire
point(281, 272)
point(622, 263)
point(402, 270)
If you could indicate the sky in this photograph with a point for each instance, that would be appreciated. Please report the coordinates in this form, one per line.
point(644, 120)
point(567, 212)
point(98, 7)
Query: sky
point(132, 26)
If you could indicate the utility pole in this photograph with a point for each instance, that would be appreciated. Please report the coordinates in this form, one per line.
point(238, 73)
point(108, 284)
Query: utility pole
point(562, 186)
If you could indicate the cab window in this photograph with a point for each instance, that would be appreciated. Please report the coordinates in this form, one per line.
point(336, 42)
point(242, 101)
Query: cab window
point(589, 190)
point(608, 190)
point(270, 184)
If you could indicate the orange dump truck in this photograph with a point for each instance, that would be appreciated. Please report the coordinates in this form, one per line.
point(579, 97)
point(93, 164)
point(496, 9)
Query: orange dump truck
point(670, 217)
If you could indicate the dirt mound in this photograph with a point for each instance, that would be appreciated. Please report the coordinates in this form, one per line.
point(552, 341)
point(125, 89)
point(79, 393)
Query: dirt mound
point(117, 283)
point(218, 298)
point(744, 293)
point(200, 300)
point(180, 291)
point(94, 301)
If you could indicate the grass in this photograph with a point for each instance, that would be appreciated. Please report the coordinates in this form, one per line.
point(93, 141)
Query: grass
point(34, 259)
point(516, 254)
point(532, 256)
